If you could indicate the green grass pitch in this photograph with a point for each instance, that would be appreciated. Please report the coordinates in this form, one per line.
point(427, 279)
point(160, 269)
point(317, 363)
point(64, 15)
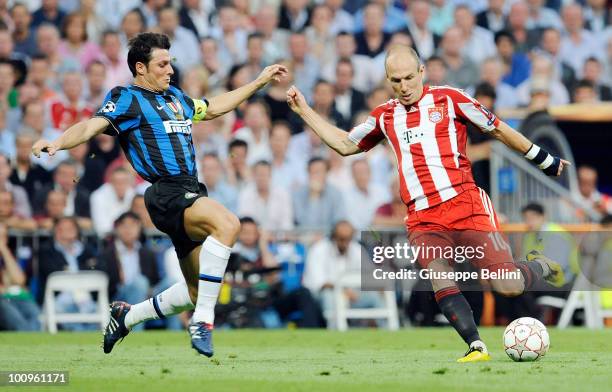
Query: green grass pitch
point(300, 360)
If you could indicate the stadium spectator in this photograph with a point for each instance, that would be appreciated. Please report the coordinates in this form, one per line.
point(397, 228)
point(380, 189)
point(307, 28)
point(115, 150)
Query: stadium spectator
point(363, 79)
point(597, 15)
point(491, 71)
point(96, 79)
point(49, 12)
point(209, 137)
point(23, 37)
point(149, 9)
point(90, 169)
point(132, 24)
point(230, 36)
point(218, 189)
point(516, 64)
point(391, 214)
point(117, 71)
point(70, 108)
point(306, 145)
point(372, 40)
point(478, 42)
point(75, 44)
point(348, 101)
point(194, 16)
point(209, 50)
point(542, 17)
point(27, 174)
point(8, 95)
point(525, 38)
point(287, 171)
point(130, 265)
point(592, 72)
point(589, 194)
point(18, 310)
point(237, 170)
point(256, 131)
point(435, 71)
point(321, 39)
point(54, 209)
point(7, 138)
point(41, 76)
point(289, 300)
point(364, 197)
point(66, 252)
point(275, 98)
point(318, 205)
point(65, 180)
point(48, 42)
point(255, 53)
point(331, 258)
point(441, 18)
point(323, 102)
point(111, 200)
point(275, 40)
point(577, 43)
point(138, 207)
point(542, 70)
point(494, 17)
point(342, 20)
point(417, 16)
point(305, 66)
point(584, 92)
point(9, 217)
point(393, 18)
point(461, 71)
point(270, 207)
point(183, 44)
point(294, 15)
point(550, 46)
point(20, 197)
point(34, 119)
point(95, 23)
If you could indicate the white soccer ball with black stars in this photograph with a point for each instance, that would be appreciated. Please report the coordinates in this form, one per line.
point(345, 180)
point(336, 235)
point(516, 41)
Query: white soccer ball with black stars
point(526, 339)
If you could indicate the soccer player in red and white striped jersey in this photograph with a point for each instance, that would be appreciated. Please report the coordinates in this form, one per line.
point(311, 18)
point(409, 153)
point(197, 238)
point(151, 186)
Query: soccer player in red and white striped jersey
point(426, 126)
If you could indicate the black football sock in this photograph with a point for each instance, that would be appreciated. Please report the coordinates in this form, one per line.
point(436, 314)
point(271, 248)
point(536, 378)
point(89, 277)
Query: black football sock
point(458, 312)
point(532, 272)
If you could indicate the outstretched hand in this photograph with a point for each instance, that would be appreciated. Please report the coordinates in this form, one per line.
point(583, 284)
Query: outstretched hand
point(296, 100)
point(561, 164)
point(272, 72)
point(44, 146)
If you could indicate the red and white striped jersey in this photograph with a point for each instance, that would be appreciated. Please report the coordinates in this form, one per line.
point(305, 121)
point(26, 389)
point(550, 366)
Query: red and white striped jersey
point(429, 139)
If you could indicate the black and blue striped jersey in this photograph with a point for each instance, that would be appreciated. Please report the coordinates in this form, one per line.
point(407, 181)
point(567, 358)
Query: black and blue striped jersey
point(154, 129)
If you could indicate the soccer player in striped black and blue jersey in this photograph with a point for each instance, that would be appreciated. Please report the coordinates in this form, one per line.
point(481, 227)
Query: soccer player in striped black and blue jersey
point(153, 122)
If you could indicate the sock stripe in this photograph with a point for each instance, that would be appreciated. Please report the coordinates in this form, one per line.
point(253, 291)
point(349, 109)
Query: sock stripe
point(157, 309)
point(445, 292)
point(210, 278)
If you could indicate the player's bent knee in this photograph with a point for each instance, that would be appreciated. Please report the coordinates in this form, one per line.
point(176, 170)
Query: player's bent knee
point(227, 227)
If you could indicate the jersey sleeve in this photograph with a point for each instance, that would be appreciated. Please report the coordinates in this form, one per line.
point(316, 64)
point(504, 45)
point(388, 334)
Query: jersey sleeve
point(469, 109)
point(369, 133)
point(118, 109)
point(196, 108)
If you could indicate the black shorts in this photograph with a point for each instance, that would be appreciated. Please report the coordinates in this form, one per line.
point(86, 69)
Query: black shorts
point(166, 200)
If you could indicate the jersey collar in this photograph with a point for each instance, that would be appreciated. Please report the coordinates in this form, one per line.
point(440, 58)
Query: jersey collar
point(148, 90)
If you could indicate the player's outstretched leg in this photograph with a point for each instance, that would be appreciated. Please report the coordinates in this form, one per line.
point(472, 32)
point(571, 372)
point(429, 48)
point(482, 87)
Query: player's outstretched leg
point(204, 268)
point(124, 316)
point(458, 313)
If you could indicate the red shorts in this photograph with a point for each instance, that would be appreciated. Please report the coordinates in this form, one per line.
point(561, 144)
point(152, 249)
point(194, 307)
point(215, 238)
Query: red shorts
point(464, 228)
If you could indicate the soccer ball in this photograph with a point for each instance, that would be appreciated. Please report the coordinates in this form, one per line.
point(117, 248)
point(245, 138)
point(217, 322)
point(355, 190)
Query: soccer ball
point(526, 339)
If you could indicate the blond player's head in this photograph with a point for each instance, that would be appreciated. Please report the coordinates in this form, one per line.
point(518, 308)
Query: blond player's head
point(405, 73)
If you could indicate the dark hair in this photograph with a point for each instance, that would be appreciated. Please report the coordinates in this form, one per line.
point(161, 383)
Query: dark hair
point(435, 58)
point(485, 89)
point(263, 163)
point(237, 143)
point(94, 62)
point(39, 56)
point(280, 123)
point(606, 220)
point(533, 207)
point(314, 160)
point(346, 62)
point(584, 83)
point(126, 215)
point(255, 35)
point(504, 34)
point(68, 19)
point(247, 219)
point(142, 46)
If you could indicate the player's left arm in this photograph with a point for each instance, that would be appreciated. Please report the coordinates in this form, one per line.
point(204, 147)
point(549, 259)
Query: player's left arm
point(549, 164)
point(221, 104)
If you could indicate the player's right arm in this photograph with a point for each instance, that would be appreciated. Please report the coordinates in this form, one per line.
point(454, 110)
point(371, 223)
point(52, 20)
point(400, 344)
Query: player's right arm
point(72, 137)
point(334, 137)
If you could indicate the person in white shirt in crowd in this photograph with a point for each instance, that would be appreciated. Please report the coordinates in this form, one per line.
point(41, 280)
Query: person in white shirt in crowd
point(275, 40)
point(320, 37)
point(255, 52)
point(256, 131)
point(494, 17)
point(117, 71)
point(305, 66)
point(22, 204)
point(288, 172)
point(577, 44)
point(132, 24)
point(150, 10)
point(491, 71)
point(364, 197)
point(111, 200)
point(597, 15)
point(65, 179)
point(231, 37)
point(417, 16)
point(542, 69)
point(270, 207)
point(478, 42)
point(95, 88)
point(217, 72)
point(363, 79)
point(441, 16)
point(237, 170)
point(194, 15)
point(112, 11)
point(462, 72)
point(218, 189)
point(183, 43)
point(541, 17)
point(306, 145)
point(328, 260)
point(550, 47)
point(7, 138)
point(318, 205)
point(588, 193)
point(342, 20)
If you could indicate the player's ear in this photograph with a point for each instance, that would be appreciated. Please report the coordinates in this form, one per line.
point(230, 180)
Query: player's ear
point(141, 68)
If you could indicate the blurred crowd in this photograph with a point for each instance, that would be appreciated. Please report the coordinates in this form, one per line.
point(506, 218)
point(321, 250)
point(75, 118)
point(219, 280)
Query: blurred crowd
point(58, 59)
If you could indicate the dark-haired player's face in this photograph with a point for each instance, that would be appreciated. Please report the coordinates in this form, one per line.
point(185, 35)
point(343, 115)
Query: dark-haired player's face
point(159, 70)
